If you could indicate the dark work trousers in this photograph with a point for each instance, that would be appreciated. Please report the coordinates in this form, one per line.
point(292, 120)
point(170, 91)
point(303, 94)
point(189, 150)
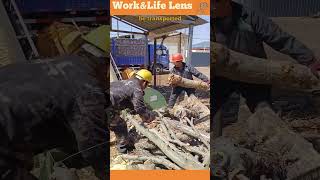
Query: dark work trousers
point(223, 88)
point(120, 129)
point(14, 165)
point(176, 92)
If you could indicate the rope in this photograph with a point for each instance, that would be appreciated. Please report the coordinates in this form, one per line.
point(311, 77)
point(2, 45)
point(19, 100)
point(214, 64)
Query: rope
point(79, 152)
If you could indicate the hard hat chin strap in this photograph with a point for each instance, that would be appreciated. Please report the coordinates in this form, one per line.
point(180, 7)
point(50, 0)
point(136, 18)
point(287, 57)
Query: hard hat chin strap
point(139, 77)
point(145, 83)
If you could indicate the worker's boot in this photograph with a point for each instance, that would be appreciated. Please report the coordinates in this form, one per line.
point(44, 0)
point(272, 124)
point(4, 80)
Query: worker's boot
point(119, 127)
point(123, 143)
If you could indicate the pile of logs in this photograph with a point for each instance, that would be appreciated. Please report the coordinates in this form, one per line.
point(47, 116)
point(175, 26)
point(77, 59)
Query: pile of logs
point(263, 146)
point(178, 139)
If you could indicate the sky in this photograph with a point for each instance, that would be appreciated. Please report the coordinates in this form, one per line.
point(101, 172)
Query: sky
point(200, 33)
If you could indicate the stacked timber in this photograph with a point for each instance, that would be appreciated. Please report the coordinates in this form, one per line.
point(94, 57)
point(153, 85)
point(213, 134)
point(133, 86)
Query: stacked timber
point(175, 140)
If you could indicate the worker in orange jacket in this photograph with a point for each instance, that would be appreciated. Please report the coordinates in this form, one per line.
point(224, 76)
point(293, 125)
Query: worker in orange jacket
point(246, 31)
point(186, 71)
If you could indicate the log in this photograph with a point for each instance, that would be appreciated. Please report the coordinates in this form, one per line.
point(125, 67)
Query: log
point(176, 80)
point(226, 156)
point(270, 134)
point(163, 138)
point(195, 130)
point(189, 148)
point(188, 130)
point(240, 67)
point(164, 147)
point(203, 126)
point(156, 160)
point(192, 107)
point(278, 150)
point(145, 167)
point(181, 154)
point(145, 144)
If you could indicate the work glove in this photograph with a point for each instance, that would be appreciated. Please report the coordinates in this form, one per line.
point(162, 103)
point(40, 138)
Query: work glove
point(208, 84)
point(152, 116)
point(315, 68)
point(167, 109)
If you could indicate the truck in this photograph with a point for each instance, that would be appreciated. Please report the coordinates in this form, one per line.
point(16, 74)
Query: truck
point(163, 61)
point(133, 53)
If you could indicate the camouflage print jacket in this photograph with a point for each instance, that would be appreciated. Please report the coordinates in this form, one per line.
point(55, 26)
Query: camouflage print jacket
point(247, 30)
point(128, 94)
point(51, 104)
point(186, 72)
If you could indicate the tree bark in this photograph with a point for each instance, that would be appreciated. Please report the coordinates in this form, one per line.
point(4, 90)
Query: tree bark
point(154, 159)
point(192, 107)
point(270, 134)
point(240, 67)
point(272, 146)
point(176, 80)
point(188, 130)
point(165, 148)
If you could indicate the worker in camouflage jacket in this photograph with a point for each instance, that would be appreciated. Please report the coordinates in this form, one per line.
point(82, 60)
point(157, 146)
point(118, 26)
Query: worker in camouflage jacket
point(57, 103)
point(128, 94)
point(186, 71)
point(245, 31)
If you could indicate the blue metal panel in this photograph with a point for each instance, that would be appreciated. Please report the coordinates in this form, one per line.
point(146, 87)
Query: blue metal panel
point(129, 59)
point(131, 53)
point(200, 59)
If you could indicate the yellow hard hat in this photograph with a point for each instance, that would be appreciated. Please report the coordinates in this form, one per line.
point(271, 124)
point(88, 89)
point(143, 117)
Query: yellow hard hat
point(145, 75)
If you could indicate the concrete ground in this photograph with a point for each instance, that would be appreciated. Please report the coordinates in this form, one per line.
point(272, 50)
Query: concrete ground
point(204, 70)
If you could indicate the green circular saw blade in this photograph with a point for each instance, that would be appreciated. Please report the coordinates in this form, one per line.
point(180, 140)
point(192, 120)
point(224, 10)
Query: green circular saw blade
point(154, 99)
